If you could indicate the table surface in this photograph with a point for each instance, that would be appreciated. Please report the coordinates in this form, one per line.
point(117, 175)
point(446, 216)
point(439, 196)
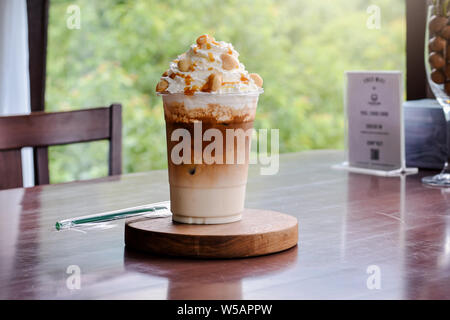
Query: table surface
point(360, 237)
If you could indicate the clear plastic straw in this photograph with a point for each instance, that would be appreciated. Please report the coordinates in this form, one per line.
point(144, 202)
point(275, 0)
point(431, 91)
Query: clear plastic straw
point(157, 208)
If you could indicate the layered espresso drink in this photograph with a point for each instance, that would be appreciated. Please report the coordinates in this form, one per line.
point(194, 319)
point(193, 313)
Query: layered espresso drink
point(210, 103)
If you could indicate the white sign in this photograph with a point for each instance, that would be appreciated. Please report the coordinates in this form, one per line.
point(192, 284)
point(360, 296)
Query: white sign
point(375, 120)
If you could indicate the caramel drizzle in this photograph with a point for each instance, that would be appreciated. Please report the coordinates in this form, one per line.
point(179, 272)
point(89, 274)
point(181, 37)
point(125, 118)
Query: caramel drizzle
point(203, 37)
point(188, 80)
point(207, 86)
point(244, 79)
point(192, 67)
point(189, 91)
point(176, 74)
point(229, 82)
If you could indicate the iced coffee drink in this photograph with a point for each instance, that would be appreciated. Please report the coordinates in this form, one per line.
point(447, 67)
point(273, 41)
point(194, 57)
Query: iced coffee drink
point(209, 103)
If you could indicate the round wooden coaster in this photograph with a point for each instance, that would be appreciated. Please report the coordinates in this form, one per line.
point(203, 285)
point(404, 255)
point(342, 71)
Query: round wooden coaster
point(259, 232)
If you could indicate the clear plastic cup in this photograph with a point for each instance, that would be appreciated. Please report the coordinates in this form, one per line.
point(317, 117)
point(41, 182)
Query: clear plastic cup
point(207, 184)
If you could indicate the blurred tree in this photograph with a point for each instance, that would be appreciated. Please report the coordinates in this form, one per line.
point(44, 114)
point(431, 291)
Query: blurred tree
point(300, 47)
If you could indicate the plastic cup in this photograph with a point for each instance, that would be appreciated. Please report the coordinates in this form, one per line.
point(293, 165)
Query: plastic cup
point(208, 146)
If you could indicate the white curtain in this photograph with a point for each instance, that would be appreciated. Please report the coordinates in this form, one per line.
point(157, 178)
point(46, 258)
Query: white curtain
point(14, 73)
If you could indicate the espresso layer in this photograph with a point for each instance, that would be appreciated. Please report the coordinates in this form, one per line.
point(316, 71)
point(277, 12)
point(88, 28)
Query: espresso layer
point(230, 162)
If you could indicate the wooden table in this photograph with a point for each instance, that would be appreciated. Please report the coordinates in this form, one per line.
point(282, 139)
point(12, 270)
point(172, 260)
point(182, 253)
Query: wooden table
point(349, 224)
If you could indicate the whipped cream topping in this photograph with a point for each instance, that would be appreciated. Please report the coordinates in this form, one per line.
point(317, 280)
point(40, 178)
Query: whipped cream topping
point(208, 66)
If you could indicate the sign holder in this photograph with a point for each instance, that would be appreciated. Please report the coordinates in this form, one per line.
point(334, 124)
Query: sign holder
point(375, 133)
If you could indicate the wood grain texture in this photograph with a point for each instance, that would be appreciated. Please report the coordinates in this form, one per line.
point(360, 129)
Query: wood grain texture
point(347, 223)
point(259, 232)
point(115, 147)
point(10, 169)
point(54, 128)
point(43, 129)
point(41, 172)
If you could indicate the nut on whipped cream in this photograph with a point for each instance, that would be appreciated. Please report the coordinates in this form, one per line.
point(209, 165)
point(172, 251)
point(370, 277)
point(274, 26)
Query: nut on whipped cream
point(208, 66)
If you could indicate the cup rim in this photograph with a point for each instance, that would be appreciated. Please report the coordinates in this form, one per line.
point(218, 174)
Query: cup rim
point(219, 94)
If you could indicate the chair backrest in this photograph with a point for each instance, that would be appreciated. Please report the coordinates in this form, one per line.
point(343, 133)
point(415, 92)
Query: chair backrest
point(43, 129)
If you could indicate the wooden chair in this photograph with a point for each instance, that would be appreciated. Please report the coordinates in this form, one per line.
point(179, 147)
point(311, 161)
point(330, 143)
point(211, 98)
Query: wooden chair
point(43, 129)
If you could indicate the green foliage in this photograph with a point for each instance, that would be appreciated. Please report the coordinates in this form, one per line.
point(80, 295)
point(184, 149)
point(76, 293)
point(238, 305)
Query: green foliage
point(300, 47)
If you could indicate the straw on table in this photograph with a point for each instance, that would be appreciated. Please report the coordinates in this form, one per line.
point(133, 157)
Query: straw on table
point(113, 215)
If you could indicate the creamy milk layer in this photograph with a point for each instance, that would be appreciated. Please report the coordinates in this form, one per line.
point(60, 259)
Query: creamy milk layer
point(208, 66)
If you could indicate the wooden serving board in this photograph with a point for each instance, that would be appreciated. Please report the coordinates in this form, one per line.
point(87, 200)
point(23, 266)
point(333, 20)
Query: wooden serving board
point(259, 232)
